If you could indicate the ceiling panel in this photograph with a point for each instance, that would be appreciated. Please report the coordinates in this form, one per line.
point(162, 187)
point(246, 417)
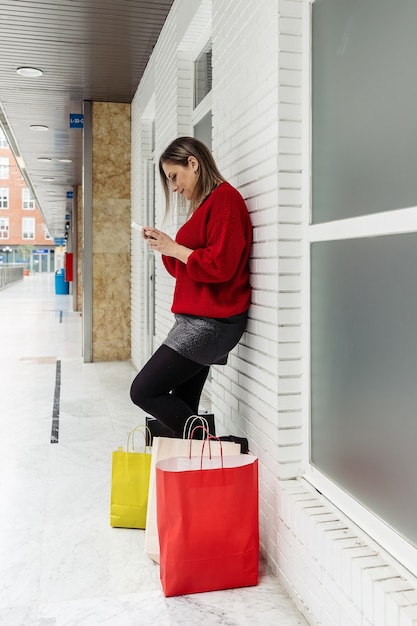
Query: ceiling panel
point(88, 50)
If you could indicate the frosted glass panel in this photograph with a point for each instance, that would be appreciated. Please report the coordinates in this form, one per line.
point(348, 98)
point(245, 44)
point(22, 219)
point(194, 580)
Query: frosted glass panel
point(364, 372)
point(203, 130)
point(364, 107)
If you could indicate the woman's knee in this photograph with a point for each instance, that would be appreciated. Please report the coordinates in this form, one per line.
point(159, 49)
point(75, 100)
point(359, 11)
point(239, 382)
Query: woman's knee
point(138, 393)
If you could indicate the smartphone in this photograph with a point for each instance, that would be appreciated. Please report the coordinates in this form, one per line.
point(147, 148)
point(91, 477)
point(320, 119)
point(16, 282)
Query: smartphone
point(136, 226)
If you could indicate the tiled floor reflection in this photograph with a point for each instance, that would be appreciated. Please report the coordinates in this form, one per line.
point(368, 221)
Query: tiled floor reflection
point(61, 564)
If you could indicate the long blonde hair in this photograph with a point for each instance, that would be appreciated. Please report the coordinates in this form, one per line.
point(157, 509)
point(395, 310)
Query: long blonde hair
point(209, 177)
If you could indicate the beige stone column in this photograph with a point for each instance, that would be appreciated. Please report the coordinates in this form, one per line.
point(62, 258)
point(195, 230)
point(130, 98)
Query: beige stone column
point(110, 231)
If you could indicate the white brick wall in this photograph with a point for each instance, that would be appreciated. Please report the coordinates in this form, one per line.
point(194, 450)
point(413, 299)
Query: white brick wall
point(245, 142)
point(260, 106)
point(333, 570)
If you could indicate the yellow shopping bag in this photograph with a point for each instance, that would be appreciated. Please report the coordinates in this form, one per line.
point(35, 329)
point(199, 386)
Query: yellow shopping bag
point(130, 484)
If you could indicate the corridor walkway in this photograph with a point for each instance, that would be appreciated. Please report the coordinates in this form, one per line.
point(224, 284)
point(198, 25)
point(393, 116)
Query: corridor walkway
point(61, 564)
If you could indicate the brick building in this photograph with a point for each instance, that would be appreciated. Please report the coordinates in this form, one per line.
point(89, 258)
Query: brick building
point(24, 236)
point(328, 419)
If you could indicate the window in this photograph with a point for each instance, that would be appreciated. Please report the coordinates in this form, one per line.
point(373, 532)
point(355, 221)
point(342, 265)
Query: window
point(153, 136)
point(364, 133)
point(363, 253)
point(4, 167)
point(202, 74)
point(203, 129)
point(4, 227)
point(28, 228)
point(3, 140)
point(4, 197)
point(202, 115)
point(27, 202)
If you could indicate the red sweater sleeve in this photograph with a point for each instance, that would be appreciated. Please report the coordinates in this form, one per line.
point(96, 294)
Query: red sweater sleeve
point(170, 264)
point(217, 262)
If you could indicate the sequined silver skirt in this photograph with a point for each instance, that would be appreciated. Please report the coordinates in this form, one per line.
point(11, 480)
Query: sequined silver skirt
point(206, 340)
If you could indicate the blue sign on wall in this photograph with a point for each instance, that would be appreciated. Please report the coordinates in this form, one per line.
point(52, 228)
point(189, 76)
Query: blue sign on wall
point(76, 120)
point(59, 241)
point(70, 194)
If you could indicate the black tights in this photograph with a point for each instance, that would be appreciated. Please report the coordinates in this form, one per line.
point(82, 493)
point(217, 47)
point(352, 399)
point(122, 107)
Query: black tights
point(169, 388)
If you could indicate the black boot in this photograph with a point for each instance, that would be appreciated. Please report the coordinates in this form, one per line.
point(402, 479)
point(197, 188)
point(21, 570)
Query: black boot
point(244, 445)
point(158, 429)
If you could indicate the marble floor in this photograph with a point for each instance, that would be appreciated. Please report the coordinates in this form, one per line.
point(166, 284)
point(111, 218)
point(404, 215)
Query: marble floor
point(61, 564)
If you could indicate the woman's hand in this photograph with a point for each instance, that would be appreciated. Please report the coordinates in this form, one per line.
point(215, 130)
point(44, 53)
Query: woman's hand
point(159, 241)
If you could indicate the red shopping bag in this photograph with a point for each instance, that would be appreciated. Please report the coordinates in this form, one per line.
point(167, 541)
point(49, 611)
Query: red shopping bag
point(207, 515)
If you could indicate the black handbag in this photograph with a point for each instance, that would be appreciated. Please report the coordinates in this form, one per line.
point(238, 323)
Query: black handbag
point(160, 430)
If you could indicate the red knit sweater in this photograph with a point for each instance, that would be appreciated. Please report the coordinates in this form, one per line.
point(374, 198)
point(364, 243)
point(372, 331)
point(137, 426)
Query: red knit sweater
point(215, 280)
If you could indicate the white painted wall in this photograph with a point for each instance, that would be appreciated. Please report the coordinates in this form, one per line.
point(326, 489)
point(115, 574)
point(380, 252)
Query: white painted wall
point(260, 106)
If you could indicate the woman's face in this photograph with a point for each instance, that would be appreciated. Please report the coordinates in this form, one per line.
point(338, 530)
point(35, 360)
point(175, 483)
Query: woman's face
point(182, 179)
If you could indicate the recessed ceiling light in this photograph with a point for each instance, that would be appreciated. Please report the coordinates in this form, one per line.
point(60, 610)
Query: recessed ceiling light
point(48, 178)
point(45, 159)
point(39, 127)
point(29, 72)
point(65, 160)
point(51, 193)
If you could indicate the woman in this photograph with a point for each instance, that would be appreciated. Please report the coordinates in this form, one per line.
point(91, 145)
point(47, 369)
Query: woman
point(209, 260)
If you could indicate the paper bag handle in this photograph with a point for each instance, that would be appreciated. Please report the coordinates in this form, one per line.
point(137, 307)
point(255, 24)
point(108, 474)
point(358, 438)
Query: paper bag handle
point(131, 436)
point(205, 438)
point(209, 437)
point(190, 422)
